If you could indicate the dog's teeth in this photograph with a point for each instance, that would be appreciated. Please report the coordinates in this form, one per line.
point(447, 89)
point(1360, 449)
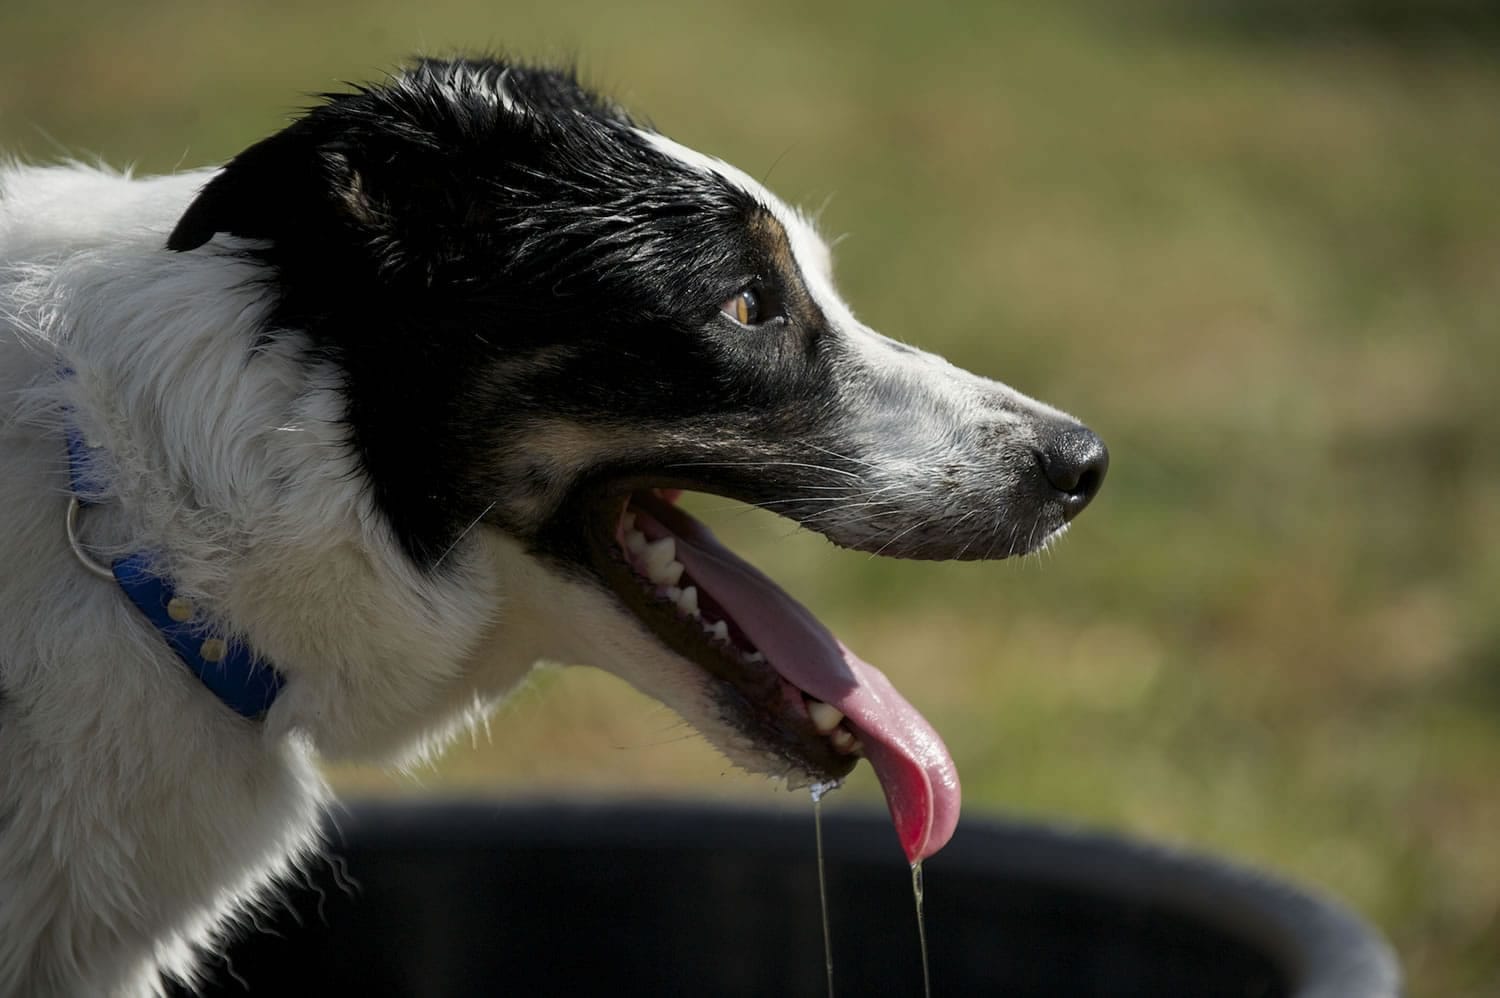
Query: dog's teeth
point(657, 556)
point(843, 741)
point(635, 541)
point(755, 657)
point(672, 593)
point(687, 602)
point(670, 575)
point(718, 630)
point(825, 716)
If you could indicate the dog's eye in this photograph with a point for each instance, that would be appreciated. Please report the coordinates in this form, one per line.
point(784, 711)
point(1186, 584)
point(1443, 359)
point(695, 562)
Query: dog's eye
point(747, 307)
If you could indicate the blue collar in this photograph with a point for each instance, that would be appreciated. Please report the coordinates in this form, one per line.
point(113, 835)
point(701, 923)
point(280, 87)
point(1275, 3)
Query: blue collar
point(231, 671)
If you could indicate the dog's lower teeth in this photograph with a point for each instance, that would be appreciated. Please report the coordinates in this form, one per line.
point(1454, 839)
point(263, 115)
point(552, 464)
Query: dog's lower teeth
point(656, 561)
point(825, 717)
point(843, 741)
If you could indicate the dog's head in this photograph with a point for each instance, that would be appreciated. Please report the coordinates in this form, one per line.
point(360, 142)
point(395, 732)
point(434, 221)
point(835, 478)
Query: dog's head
point(550, 319)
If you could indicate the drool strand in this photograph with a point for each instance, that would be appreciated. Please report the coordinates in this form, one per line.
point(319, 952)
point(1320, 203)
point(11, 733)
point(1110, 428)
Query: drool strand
point(916, 891)
point(818, 790)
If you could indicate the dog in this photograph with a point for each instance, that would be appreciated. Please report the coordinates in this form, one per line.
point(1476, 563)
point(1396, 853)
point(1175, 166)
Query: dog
point(316, 454)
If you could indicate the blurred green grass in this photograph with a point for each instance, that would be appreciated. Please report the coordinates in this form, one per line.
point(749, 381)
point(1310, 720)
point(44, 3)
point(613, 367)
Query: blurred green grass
point(1266, 272)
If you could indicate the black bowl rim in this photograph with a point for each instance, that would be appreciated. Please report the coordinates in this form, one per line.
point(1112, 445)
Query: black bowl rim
point(1325, 949)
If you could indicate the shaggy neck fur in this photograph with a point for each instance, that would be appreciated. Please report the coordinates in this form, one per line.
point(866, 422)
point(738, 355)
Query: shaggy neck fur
point(191, 411)
point(381, 659)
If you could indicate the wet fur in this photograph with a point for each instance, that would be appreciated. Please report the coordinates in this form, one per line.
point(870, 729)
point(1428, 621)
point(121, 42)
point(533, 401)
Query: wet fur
point(357, 391)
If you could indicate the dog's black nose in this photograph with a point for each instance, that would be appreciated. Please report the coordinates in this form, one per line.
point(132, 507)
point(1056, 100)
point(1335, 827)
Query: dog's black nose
point(1074, 461)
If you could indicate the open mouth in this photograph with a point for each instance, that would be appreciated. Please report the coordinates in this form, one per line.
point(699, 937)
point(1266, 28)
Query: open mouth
point(778, 675)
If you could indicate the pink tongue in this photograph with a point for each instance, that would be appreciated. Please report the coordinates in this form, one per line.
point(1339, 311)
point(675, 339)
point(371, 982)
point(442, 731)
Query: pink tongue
point(914, 768)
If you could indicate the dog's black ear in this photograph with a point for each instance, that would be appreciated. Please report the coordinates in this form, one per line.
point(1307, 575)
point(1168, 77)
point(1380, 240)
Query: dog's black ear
point(254, 194)
point(299, 182)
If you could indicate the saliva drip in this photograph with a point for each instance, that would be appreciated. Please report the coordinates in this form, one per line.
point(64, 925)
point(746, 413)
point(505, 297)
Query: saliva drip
point(916, 892)
point(818, 790)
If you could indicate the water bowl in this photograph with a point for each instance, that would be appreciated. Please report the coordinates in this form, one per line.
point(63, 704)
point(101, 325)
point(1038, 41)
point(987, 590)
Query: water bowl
point(541, 899)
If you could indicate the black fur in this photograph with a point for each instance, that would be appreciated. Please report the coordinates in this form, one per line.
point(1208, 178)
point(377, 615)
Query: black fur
point(437, 245)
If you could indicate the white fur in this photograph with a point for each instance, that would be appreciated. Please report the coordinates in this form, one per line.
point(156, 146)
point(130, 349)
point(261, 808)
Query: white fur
point(137, 813)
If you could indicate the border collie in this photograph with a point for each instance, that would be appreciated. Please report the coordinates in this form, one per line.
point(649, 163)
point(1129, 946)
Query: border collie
point(316, 454)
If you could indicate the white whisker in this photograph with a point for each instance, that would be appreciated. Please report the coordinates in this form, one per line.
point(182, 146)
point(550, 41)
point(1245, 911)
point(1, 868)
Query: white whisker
point(462, 534)
point(763, 464)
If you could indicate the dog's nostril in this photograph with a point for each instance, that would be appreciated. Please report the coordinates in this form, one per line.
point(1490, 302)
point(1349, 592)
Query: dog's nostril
point(1074, 462)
